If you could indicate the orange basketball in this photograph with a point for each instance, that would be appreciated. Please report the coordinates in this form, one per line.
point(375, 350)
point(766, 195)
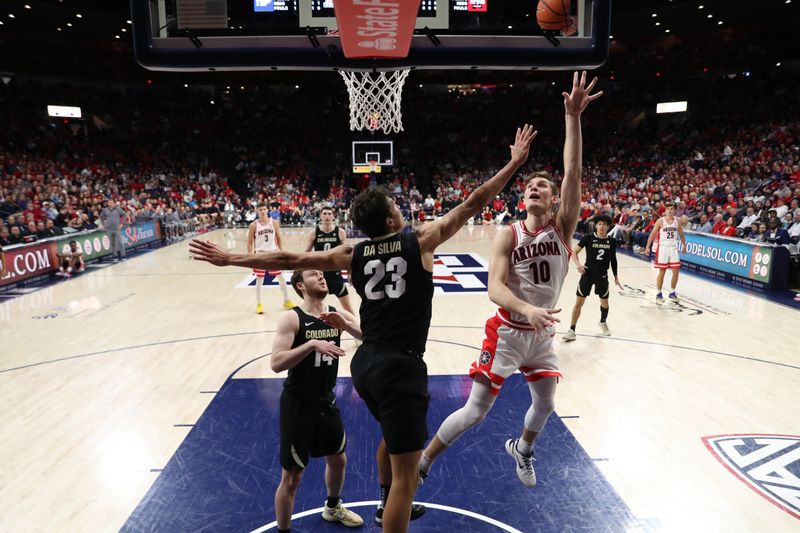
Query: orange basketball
point(552, 15)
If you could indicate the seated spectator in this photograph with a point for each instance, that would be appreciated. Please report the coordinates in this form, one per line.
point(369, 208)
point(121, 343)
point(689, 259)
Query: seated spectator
point(15, 236)
point(748, 219)
point(4, 236)
point(719, 225)
point(794, 229)
point(760, 234)
point(730, 229)
point(776, 234)
point(704, 225)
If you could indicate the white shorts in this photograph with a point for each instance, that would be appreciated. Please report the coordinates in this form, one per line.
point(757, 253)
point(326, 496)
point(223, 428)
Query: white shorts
point(506, 350)
point(667, 257)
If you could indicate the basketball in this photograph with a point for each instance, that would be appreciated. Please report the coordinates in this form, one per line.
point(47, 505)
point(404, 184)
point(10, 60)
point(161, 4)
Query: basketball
point(552, 15)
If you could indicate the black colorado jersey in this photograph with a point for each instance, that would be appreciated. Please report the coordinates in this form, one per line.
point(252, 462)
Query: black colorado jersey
point(324, 241)
point(395, 290)
point(313, 378)
point(599, 254)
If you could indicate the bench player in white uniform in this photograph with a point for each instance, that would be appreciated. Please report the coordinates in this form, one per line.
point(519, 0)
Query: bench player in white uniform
point(264, 236)
point(666, 233)
point(529, 261)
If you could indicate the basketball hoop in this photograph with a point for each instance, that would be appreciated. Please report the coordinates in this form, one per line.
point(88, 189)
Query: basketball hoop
point(375, 99)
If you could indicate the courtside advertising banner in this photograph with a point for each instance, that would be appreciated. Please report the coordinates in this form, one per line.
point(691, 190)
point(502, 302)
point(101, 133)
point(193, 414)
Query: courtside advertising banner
point(29, 261)
point(376, 28)
point(141, 233)
point(739, 258)
point(92, 245)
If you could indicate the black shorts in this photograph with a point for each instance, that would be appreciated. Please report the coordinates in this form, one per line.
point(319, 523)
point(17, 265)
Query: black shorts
point(600, 283)
point(309, 430)
point(336, 285)
point(394, 385)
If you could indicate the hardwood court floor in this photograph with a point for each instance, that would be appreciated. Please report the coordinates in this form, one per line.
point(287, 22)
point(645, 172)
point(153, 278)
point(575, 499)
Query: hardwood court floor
point(102, 376)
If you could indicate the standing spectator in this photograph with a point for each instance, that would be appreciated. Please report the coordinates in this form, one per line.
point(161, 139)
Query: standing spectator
point(113, 218)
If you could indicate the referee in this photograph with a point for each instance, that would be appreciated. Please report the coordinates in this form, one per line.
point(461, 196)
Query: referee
point(601, 250)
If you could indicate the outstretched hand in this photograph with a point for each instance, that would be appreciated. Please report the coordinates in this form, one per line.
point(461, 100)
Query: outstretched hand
point(209, 252)
point(577, 100)
point(334, 320)
point(522, 144)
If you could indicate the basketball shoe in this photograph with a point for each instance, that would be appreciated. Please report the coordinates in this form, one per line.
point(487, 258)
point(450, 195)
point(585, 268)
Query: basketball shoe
point(417, 510)
point(288, 304)
point(260, 309)
point(673, 296)
point(659, 298)
point(525, 471)
point(342, 515)
point(569, 336)
point(604, 329)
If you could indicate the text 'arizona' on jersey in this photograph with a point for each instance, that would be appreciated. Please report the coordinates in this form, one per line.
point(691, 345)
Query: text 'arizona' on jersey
point(395, 290)
point(536, 270)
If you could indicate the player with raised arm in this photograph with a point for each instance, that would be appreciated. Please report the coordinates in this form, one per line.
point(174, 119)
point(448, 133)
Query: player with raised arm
point(308, 344)
point(665, 234)
point(601, 251)
point(264, 235)
point(529, 261)
point(393, 273)
point(322, 238)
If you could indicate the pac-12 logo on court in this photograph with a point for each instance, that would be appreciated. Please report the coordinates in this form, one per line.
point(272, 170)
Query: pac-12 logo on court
point(452, 273)
point(768, 464)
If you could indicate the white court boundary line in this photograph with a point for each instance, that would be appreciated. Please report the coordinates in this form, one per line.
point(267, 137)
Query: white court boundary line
point(482, 518)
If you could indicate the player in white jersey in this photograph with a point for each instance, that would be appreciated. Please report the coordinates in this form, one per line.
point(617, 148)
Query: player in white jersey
point(529, 261)
point(666, 233)
point(264, 236)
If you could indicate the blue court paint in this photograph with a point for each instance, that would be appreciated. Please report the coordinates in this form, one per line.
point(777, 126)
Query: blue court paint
point(223, 476)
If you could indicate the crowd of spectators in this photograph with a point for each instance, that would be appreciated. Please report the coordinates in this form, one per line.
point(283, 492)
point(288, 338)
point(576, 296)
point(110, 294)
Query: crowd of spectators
point(730, 165)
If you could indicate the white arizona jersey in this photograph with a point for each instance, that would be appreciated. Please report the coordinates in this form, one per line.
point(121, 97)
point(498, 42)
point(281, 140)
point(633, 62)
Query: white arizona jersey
point(668, 236)
point(536, 271)
point(265, 236)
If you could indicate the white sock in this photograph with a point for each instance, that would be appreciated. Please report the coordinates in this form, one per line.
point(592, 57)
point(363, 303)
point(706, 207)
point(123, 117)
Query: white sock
point(259, 283)
point(425, 463)
point(524, 447)
point(282, 285)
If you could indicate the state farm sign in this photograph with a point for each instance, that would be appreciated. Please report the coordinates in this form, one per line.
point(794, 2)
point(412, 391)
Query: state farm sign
point(376, 28)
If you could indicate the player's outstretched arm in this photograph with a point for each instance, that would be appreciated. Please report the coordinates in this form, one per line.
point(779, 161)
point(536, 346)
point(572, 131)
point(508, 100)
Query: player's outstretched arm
point(435, 233)
point(344, 321)
point(334, 259)
point(284, 356)
point(499, 293)
point(575, 103)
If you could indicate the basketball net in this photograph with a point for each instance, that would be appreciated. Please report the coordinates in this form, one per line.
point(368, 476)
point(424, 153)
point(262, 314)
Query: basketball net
point(375, 99)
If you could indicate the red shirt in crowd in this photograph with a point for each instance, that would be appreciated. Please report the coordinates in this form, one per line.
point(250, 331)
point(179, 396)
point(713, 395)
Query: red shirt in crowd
point(719, 227)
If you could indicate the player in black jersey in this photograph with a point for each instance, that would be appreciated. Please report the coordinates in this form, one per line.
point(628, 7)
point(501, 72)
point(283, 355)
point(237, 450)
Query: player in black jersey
point(392, 271)
point(307, 343)
point(323, 238)
point(601, 251)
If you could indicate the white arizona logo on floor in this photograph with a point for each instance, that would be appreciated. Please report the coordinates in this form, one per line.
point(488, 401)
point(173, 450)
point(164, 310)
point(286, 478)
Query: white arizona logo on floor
point(465, 273)
point(768, 464)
